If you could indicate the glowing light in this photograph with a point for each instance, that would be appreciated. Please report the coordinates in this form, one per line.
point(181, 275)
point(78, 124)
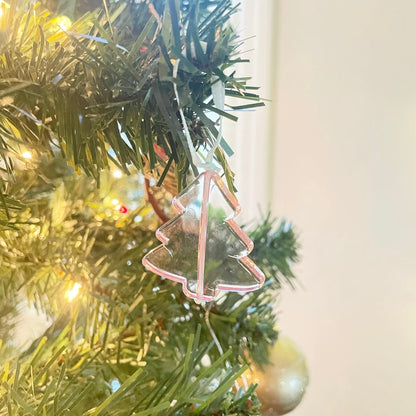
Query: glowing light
point(63, 22)
point(160, 152)
point(115, 201)
point(73, 293)
point(3, 6)
point(117, 173)
point(26, 154)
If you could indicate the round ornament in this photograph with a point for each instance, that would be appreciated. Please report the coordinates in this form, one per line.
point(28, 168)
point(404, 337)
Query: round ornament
point(282, 383)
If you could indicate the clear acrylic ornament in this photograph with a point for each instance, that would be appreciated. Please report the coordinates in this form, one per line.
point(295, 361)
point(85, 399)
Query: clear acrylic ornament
point(203, 248)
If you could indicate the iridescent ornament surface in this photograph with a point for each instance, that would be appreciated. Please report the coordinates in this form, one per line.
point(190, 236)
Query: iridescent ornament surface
point(203, 248)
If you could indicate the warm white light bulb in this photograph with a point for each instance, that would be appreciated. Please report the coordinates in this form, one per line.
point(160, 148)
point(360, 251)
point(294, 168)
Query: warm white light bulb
point(26, 154)
point(117, 173)
point(73, 293)
point(3, 6)
point(115, 202)
point(64, 23)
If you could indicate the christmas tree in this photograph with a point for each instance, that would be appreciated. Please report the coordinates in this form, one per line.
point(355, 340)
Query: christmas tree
point(93, 100)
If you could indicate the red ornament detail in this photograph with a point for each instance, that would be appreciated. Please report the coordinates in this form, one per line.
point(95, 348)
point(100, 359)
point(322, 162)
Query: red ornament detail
point(123, 209)
point(160, 152)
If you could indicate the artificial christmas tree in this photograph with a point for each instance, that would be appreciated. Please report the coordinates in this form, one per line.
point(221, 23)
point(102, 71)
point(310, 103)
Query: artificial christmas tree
point(85, 108)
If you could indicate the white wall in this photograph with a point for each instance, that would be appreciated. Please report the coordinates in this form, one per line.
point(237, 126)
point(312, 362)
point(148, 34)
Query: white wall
point(344, 171)
point(252, 136)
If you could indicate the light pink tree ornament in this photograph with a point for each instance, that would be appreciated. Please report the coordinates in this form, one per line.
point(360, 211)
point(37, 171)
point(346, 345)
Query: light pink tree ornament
point(203, 248)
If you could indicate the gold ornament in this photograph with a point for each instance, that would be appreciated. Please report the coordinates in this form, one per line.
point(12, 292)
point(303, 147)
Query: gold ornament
point(282, 383)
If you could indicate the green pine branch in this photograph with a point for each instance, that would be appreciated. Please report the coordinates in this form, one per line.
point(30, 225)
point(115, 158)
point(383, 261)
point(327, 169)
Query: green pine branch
point(101, 91)
point(127, 325)
point(81, 99)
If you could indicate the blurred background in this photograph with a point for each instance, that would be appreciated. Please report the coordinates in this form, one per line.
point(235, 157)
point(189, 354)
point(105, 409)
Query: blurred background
point(334, 152)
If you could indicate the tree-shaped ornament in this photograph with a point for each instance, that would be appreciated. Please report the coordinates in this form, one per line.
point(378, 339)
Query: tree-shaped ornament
point(202, 247)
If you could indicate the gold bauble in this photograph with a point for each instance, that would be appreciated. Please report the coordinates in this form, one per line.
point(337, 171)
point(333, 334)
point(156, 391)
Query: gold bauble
point(282, 383)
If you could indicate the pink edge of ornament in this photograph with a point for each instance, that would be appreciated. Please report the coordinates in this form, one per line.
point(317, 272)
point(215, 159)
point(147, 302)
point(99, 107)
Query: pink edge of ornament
point(245, 260)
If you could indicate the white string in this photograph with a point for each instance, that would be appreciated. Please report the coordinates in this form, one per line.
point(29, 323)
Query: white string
point(195, 158)
point(219, 347)
point(218, 95)
point(213, 334)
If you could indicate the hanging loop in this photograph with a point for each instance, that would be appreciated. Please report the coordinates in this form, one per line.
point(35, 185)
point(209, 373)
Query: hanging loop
point(218, 95)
